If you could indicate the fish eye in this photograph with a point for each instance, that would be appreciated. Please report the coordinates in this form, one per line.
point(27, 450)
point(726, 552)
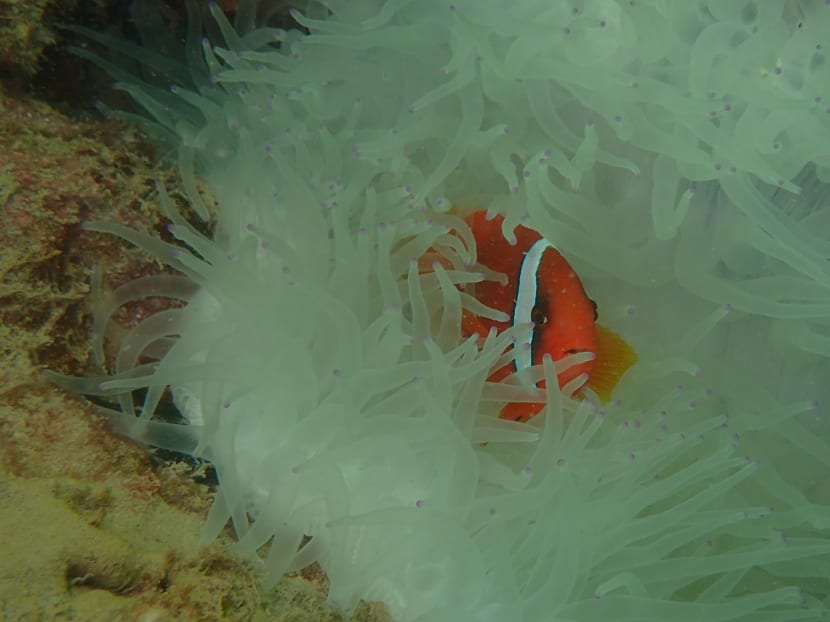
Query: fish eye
point(538, 316)
point(596, 309)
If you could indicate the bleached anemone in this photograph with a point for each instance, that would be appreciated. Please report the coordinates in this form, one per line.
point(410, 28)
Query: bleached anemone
point(677, 153)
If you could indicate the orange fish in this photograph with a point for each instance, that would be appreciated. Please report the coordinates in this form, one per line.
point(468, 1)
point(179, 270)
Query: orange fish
point(544, 294)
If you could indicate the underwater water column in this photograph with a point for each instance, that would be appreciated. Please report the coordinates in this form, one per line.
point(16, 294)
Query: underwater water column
point(677, 153)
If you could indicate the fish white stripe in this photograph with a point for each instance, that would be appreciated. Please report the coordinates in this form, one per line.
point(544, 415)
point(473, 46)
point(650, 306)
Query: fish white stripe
point(525, 301)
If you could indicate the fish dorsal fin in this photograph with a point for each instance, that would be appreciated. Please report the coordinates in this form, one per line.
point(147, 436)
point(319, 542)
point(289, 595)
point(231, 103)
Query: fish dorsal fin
point(614, 358)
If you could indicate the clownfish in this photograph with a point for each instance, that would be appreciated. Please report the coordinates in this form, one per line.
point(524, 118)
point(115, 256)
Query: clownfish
point(544, 294)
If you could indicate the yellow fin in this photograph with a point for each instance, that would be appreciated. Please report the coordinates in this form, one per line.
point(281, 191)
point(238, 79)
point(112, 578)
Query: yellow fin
point(614, 358)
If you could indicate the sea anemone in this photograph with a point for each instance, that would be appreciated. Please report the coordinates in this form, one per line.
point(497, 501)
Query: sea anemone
point(677, 153)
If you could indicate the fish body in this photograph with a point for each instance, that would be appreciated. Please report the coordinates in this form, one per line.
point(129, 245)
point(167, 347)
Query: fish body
point(544, 298)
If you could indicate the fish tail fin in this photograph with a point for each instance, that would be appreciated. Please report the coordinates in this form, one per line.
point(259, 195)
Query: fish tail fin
point(614, 358)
